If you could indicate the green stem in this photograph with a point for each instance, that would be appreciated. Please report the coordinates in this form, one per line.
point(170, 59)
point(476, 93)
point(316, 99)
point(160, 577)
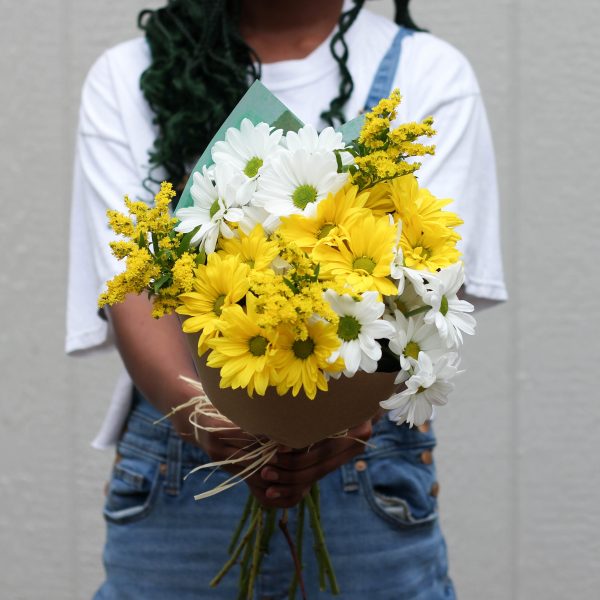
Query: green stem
point(244, 573)
point(417, 311)
point(242, 522)
point(233, 558)
point(315, 495)
point(299, 541)
point(320, 547)
point(267, 532)
point(256, 555)
point(288, 538)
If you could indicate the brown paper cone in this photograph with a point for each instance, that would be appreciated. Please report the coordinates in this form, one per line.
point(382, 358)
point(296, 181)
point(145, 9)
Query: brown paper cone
point(297, 421)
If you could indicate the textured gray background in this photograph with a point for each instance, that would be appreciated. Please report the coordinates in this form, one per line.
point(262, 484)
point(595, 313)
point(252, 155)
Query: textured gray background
point(519, 447)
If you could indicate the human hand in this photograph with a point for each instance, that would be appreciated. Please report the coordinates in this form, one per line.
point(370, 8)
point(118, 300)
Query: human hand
point(291, 473)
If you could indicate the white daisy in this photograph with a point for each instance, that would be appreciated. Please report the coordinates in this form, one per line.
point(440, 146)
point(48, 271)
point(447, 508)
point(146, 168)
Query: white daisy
point(406, 302)
point(448, 313)
point(413, 336)
point(256, 215)
point(429, 385)
point(248, 148)
point(294, 182)
point(215, 206)
point(309, 140)
point(359, 327)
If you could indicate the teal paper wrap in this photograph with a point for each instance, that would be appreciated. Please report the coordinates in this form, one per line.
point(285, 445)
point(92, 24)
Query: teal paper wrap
point(260, 106)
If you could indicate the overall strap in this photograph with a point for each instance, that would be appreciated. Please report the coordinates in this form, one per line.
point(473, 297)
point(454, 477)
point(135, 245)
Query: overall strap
point(386, 72)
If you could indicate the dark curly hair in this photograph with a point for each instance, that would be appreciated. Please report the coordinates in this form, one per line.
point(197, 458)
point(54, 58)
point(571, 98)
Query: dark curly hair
point(201, 67)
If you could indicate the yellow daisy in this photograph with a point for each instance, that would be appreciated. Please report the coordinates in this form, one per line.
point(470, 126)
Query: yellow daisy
point(218, 284)
point(333, 216)
point(411, 201)
point(300, 363)
point(428, 249)
point(364, 259)
point(431, 210)
point(254, 249)
point(380, 200)
point(243, 351)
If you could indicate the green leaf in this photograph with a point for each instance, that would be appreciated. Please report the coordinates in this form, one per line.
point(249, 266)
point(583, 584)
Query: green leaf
point(317, 271)
point(291, 285)
point(161, 282)
point(155, 245)
point(186, 239)
point(201, 258)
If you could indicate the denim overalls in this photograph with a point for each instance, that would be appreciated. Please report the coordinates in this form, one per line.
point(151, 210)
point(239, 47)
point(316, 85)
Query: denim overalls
point(379, 511)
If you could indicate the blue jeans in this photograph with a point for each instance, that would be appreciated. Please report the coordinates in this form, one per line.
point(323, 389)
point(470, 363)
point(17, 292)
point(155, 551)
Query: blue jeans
point(378, 512)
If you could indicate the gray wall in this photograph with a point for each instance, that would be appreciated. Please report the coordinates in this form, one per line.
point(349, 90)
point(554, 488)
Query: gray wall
point(519, 448)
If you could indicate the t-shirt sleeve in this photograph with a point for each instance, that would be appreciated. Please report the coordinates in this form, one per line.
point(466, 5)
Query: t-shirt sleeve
point(463, 167)
point(104, 171)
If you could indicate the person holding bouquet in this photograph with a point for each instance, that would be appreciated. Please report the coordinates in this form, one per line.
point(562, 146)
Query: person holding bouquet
point(149, 108)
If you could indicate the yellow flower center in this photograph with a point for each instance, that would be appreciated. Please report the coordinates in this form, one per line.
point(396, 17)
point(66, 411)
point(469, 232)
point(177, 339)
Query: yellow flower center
point(304, 195)
point(412, 350)
point(218, 305)
point(365, 263)
point(252, 166)
point(348, 328)
point(258, 345)
point(325, 230)
point(303, 348)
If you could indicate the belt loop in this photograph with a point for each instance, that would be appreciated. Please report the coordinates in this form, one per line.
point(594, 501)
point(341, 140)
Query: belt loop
point(349, 477)
point(173, 481)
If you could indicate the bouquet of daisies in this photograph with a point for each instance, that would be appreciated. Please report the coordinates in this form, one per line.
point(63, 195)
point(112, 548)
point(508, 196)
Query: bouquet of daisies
point(306, 264)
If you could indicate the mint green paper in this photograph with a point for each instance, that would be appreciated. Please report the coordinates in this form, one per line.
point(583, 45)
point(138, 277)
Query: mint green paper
point(260, 106)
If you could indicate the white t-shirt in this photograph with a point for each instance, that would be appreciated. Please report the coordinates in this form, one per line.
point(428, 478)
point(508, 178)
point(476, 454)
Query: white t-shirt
point(116, 132)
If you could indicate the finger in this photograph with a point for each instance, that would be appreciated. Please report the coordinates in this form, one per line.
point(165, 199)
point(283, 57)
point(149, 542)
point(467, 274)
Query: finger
point(308, 475)
point(280, 498)
point(313, 455)
point(316, 455)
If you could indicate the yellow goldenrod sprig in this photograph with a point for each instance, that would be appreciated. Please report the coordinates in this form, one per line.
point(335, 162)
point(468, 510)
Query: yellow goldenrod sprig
point(159, 260)
point(380, 153)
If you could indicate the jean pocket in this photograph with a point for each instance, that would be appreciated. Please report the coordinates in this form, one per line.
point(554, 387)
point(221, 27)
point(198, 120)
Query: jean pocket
point(399, 486)
point(133, 489)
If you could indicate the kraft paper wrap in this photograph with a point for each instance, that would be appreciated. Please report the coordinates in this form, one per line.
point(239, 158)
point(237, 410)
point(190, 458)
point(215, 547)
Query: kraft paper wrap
point(297, 421)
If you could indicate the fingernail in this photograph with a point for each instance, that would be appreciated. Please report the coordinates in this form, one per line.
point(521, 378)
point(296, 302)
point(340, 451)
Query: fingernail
point(273, 493)
point(270, 475)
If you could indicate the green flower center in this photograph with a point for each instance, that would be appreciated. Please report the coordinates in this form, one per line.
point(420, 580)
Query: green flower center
point(423, 252)
point(303, 348)
point(252, 166)
point(444, 305)
point(325, 230)
point(214, 208)
point(304, 195)
point(218, 305)
point(365, 263)
point(348, 328)
point(412, 350)
point(258, 345)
